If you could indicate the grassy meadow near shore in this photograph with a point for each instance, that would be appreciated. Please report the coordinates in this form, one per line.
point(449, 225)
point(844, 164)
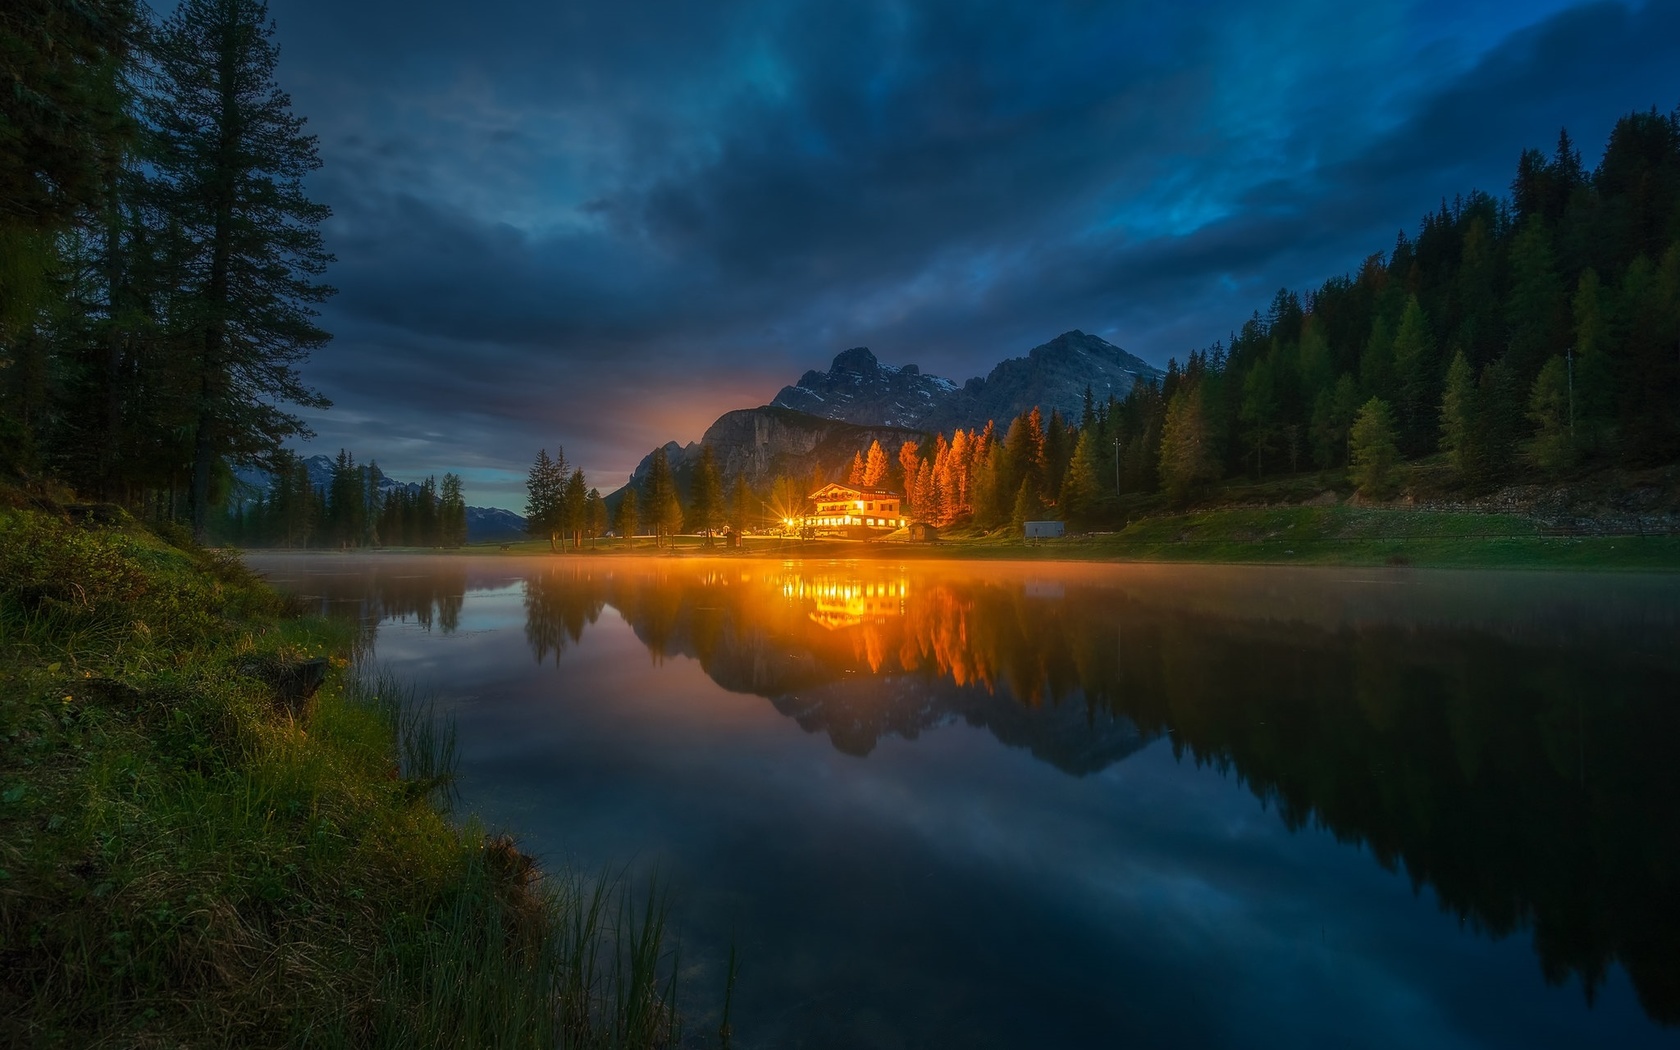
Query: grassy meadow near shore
point(215, 832)
point(1298, 535)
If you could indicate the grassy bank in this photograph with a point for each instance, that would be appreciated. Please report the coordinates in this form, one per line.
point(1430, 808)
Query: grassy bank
point(197, 849)
point(1289, 535)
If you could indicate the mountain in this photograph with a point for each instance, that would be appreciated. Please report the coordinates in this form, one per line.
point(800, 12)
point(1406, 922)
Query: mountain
point(766, 443)
point(822, 420)
point(859, 389)
point(493, 525)
point(252, 482)
point(484, 524)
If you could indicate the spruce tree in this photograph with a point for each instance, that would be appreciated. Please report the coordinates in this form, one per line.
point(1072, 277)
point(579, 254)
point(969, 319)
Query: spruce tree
point(231, 160)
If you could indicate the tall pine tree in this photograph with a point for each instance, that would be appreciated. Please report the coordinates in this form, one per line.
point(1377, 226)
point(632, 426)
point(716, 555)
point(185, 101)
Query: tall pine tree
point(232, 158)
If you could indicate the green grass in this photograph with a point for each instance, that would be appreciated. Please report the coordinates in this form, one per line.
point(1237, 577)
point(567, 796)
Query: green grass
point(1286, 535)
point(187, 859)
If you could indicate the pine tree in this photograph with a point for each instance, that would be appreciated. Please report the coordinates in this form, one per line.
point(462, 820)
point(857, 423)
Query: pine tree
point(664, 509)
point(544, 489)
point(1594, 377)
point(597, 515)
point(1029, 506)
point(706, 511)
point(232, 160)
point(743, 513)
point(1373, 450)
point(1534, 310)
point(1415, 366)
point(1259, 412)
point(629, 517)
point(452, 512)
point(574, 508)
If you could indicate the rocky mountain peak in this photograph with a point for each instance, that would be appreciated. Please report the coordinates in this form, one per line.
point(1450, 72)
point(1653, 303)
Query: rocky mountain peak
point(858, 359)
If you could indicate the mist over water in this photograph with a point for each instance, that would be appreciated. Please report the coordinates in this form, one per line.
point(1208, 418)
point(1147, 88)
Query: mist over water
point(942, 804)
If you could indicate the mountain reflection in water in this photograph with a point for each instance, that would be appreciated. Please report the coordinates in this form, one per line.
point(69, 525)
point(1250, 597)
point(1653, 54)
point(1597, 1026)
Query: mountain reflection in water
point(1505, 739)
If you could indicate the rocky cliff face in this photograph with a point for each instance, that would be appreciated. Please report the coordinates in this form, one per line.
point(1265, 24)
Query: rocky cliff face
point(766, 443)
point(828, 416)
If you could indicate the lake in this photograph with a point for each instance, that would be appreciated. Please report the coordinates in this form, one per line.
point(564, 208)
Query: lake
point(949, 804)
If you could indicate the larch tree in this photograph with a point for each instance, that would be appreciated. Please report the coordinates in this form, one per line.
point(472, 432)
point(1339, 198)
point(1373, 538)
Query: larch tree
point(1458, 414)
point(1373, 449)
point(854, 474)
point(875, 466)
point(1553, 446)
point(231, 160)
point(1187, 454)
point(1082, 489)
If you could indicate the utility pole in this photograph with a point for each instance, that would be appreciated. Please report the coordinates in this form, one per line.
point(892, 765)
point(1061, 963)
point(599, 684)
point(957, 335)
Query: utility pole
point(1117, 466)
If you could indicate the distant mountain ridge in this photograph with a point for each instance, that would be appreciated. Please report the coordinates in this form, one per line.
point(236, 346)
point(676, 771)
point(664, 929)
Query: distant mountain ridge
point(484, 524)
point(1053, 376)
point(823, 419)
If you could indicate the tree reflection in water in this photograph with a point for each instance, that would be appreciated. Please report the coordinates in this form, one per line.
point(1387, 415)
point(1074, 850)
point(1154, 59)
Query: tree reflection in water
point(1523, 769)
point(1505, 740)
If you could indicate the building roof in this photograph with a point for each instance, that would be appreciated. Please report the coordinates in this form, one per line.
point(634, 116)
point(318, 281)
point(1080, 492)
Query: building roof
point(856, 490)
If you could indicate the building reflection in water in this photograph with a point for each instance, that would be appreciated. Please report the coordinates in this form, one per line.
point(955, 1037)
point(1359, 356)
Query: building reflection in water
point(1507, 740)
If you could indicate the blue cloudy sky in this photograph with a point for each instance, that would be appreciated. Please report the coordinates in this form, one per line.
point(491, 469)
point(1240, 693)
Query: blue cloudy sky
point(602, 223)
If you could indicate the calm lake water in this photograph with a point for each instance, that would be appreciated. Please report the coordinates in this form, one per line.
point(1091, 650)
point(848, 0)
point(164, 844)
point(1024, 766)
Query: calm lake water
point(979, 805)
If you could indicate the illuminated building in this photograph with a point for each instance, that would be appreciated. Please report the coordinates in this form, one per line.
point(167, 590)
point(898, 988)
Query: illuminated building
point(855, 512)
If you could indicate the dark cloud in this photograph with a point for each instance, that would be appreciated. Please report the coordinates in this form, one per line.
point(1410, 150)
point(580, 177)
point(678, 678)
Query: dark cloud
point(604, 224)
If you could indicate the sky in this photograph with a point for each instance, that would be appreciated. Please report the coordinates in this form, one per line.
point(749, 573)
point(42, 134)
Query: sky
point(600, 224)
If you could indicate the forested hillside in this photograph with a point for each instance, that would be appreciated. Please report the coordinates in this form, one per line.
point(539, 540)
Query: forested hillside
point(1520, 336)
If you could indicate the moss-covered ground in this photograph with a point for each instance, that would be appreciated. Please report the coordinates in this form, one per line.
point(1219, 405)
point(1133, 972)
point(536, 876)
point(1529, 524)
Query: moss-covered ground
point(197, 851)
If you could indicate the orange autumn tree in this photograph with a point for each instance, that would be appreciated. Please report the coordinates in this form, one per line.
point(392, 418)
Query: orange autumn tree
point(875, 466)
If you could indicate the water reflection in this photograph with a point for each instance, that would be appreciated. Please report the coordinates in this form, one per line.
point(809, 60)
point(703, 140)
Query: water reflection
point(1507, 741)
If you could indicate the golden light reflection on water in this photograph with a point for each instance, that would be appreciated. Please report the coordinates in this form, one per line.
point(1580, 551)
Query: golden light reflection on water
point(1504, 738)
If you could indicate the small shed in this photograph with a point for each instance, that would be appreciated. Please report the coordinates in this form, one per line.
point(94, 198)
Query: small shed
point(922, 532)
point(1044, 530)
